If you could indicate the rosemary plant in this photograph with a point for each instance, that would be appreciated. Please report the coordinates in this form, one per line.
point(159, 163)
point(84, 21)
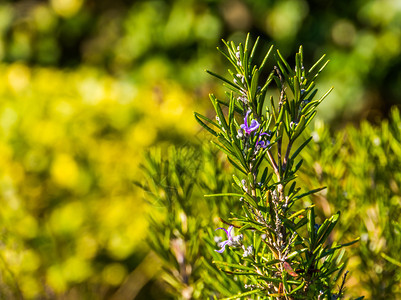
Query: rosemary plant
point(274, 245)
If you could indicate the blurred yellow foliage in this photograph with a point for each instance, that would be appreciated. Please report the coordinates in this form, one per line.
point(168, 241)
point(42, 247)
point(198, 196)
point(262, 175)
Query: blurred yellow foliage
point(71, 144)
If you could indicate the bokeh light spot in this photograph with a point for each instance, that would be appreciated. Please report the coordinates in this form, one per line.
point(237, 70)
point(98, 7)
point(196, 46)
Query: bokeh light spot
point(64, 170)
point(66, 8)
point(114, 274)
point(343, 33)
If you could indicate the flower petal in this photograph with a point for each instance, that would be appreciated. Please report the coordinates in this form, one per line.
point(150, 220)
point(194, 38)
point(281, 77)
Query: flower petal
point(263, 144)
point(246, 116)
point(254, 125)
point(223, 247)
point(227, 232)
point(229, 235)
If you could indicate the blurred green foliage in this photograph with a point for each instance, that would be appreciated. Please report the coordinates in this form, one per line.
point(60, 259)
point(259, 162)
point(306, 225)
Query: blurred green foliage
point(361, 168)
point(180, 219)
point(177, 39)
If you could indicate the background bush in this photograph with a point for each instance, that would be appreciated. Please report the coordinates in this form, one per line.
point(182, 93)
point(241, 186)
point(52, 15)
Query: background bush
point(363, 185)
point(71, 145)
point(361, 169)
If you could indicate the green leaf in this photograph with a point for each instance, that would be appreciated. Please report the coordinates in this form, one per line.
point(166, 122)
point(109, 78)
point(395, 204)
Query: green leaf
point(392, 260)
point(255, 45)
point(310, 97)
point(264, 175)
point(311, 227)
point(243, 294)
point(335, 248)
point(285, 283)
point(277, 280)
point(245, 227)
point(236, 87)
point(236, 107)
point(230, 265)
point(251, 179)
point(296, 253)
point(224, 150)
point(247, 41)
point(326, 228)
point(297, 288)
point(244, 62)
point(236, 165)
point(298, 65)
point(309, 193)
point(273, 108)
point(231, 110)
point(300, 127)
point(219, 112)
point(317, 63)
point(311, 105)
point(320, 70)
point(260, 101)
point(251, 150)
point(287, 66)
point(310, 118)
point(231, 51)
point(283, 71)
point(301, 55)
point(297, 89)
point(254, 85)
point(229, 58)
point(239, 155)
point(292, 187)
point(296, 214)
point(329, 272)
point(198, 118)
point(326, 94)
point(224, 194)
point(295, 154)
point(237, 181)
point(298, 165)
point(268, 81)
point(281, 115)
point(250, 200)
point(265, 58)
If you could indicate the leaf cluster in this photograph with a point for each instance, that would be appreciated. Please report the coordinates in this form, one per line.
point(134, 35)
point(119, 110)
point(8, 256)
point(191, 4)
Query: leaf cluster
point(292, 256)
point(361, 168)
point(178, 215)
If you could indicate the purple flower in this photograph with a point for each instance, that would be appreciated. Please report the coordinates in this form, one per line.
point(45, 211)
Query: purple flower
point(232, 241)
point(249, 128)
point(229, 238)
point(263, 144)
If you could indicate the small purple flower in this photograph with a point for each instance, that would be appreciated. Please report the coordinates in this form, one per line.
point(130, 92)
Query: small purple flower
point(229, 238)
point(232, 241)
point(249, 128)
point(261, 143)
